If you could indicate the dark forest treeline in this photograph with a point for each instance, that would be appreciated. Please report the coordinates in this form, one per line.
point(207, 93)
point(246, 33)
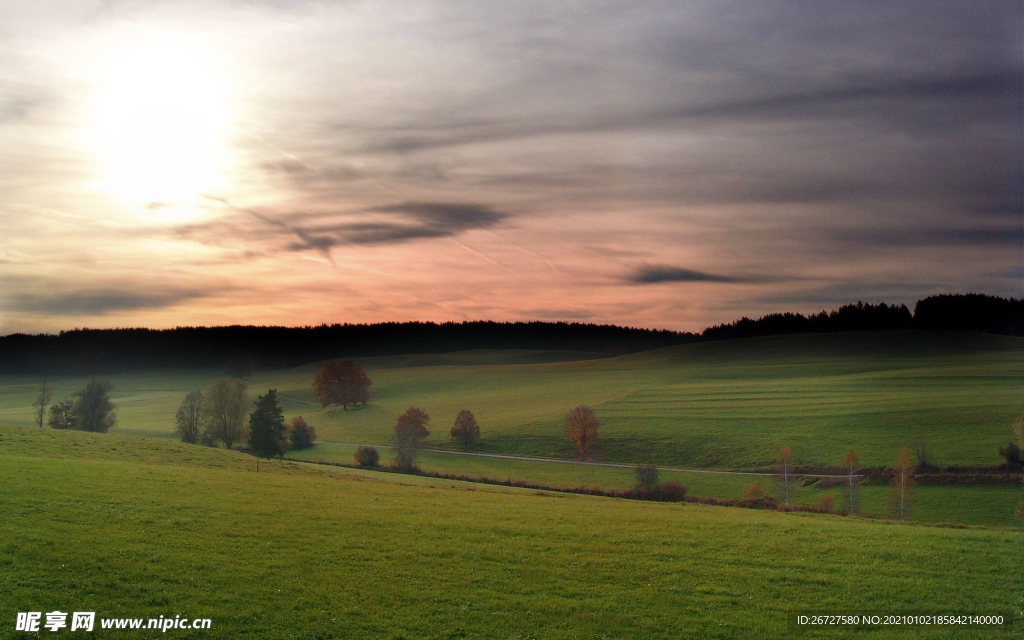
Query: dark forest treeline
point(87, 351)
point(957, 312)
point(104, 350)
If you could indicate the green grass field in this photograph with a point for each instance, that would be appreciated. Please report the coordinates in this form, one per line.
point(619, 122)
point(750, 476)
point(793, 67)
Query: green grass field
point(992, 505)
point(136, 528)
point(730, 404)
point(718, 405)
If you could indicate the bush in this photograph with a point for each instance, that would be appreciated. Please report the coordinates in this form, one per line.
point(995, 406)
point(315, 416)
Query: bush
point(367, 457)
point(301, 434)
point(753, 491)
point(62, 415)
point(667, 492)
point(825, 504)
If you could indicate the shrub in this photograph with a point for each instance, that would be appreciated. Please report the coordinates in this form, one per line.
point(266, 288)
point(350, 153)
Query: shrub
point(367, 457)
point(667, 492)
point(824, 504)
point(753, 491)
point(62, 415)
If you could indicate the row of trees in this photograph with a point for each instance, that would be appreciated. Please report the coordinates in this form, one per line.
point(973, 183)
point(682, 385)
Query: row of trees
point(901, 481)
point(222, 413)
point(411, 430)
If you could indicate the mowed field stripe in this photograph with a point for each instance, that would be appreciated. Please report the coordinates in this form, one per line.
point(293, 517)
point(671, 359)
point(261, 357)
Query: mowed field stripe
point(581, 462)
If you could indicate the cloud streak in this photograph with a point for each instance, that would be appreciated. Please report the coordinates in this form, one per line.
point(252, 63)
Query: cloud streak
point(97, 302)
point(658, 274)
point(383, 225)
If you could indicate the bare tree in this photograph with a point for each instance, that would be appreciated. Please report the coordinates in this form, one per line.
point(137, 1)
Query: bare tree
point(646, 478)
point(784, 469)
point(189, 418)
point(851, 463)
point(902, 481)
point(225, 409)
point(923, 452)
point(40, 403)
point(581, 428)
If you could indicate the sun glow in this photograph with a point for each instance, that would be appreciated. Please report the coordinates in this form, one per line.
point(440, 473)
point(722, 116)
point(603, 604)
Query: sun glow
point(162, 122)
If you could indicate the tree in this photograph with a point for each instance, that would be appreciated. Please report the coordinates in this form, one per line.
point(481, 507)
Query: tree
point(301, 434)
point(410, 429)
point(240, 364)
point(93, 409)
point(268, 436)
point(466, 430)
point(784, 470)
point(646, 478)
point(189, 418)
point(225, 403)
point(581, 428)
point(1011, 452)
point(923, 452)
point(40, 403)
point(341, 383)
point(62, 415)
point(902, 481)
point(851, 463)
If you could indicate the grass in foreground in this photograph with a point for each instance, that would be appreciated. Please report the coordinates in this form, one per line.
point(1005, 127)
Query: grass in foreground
point(296, 553)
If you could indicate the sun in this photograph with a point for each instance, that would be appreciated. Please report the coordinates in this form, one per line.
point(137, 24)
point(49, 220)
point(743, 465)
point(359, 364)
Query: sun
point(161, 121)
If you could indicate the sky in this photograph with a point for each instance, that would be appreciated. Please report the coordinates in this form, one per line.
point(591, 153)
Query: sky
point(669, 164)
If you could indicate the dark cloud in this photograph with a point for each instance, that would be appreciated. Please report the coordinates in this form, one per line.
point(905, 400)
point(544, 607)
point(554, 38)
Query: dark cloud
point(378, 225)
point(448, 217)
point(97, 302)
point(931, 237)
point(415, 220)
point(654, 274)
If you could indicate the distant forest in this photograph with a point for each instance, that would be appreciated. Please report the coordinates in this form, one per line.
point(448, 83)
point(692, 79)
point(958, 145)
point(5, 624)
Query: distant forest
point(88, 351)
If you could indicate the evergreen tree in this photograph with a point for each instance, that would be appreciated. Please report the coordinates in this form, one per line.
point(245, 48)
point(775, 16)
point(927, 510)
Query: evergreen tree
point(268, 436)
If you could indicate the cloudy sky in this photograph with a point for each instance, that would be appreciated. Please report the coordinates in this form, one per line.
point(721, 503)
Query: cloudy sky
point(660, 164)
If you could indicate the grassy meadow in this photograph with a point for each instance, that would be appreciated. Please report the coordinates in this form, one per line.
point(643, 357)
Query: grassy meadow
point(716, 405)
point(137, 528)
point(729, 404)
point(992, 505)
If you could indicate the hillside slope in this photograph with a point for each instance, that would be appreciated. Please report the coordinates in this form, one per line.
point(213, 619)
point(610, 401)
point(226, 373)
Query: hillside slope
point(295, 553)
